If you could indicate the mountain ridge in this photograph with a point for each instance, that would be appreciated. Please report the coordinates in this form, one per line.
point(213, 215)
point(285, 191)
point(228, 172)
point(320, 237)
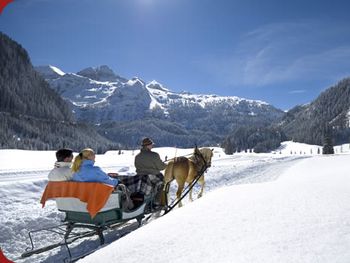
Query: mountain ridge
point(99, 93)
point(122, 103)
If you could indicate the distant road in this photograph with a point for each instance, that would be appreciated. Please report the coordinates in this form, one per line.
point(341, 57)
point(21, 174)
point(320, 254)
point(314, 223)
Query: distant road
point(14, 176)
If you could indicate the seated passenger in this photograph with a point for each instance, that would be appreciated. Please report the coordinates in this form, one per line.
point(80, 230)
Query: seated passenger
point(62, 170)
point(85, 171)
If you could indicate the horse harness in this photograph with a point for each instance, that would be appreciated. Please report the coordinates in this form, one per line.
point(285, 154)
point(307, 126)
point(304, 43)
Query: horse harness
point(199, 162)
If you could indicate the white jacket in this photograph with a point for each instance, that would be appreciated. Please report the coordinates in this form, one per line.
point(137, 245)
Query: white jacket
point(61, 172)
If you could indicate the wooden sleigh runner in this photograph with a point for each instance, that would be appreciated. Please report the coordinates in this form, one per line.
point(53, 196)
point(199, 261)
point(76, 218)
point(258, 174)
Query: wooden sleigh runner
point(90, 209)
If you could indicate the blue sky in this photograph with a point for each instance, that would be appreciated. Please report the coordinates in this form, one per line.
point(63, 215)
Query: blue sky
point(282, 52)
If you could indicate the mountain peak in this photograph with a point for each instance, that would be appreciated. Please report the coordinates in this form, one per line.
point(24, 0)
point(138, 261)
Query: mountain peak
point(136, 81)
point(100, 73)
point(156, 85)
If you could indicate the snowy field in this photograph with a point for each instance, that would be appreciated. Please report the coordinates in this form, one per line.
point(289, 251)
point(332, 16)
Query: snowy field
point(291, 205)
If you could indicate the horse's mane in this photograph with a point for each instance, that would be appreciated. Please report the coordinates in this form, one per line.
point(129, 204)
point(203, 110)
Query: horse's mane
point(180, 159)
point(207, 153)
point(200, 154)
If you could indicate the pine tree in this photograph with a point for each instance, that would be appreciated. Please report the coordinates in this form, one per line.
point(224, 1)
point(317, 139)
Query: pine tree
point(228, 146)
point(328, 146)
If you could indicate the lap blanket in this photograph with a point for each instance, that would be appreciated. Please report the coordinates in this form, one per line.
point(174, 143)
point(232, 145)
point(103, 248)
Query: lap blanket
point(142, 183)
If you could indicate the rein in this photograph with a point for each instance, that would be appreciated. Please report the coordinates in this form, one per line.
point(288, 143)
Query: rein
point(174, 158)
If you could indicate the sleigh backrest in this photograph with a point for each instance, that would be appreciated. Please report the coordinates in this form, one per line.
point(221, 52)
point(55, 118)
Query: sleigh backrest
point(74, 204)
point(81, 196)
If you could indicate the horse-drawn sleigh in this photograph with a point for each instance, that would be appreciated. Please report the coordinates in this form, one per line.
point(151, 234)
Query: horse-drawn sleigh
point(92, 208)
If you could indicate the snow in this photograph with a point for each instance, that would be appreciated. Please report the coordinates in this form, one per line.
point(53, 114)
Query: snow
point(307, 149)
point(50, 71)
point(156, 85)
point(164, 97)
point(154, 104)
point(135, 81)
point(276, 207)
point(57, 70)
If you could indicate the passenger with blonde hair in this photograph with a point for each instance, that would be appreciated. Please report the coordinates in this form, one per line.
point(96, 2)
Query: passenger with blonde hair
point(85, 171)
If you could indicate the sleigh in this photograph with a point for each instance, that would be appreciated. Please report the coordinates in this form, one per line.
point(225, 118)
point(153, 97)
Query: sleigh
point(90, 209)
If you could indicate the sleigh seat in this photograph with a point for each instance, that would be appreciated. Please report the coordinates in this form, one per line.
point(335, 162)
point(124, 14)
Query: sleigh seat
point(89, 203)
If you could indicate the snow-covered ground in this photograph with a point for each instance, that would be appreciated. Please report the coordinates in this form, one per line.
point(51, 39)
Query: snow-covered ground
point(288, 206)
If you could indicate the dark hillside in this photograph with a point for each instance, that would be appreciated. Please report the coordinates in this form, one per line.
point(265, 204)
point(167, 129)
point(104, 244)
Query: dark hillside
point(32, 115)
point(329, 113)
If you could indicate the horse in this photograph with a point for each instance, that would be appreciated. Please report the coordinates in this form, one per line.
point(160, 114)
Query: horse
point(184, 170)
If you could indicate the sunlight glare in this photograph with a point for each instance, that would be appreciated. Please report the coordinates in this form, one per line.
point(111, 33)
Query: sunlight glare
point(146, 2)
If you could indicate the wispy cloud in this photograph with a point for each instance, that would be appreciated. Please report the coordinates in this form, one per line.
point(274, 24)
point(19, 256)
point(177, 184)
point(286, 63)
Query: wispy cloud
point(299, 91)
point(278, 53)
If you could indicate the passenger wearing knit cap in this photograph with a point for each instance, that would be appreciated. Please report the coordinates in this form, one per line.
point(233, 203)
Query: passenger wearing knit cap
point(147, 141)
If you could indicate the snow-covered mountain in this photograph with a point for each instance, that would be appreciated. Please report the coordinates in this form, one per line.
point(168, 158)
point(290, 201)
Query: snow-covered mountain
point(102, 73)
point(99, 95)
point(120, 107)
